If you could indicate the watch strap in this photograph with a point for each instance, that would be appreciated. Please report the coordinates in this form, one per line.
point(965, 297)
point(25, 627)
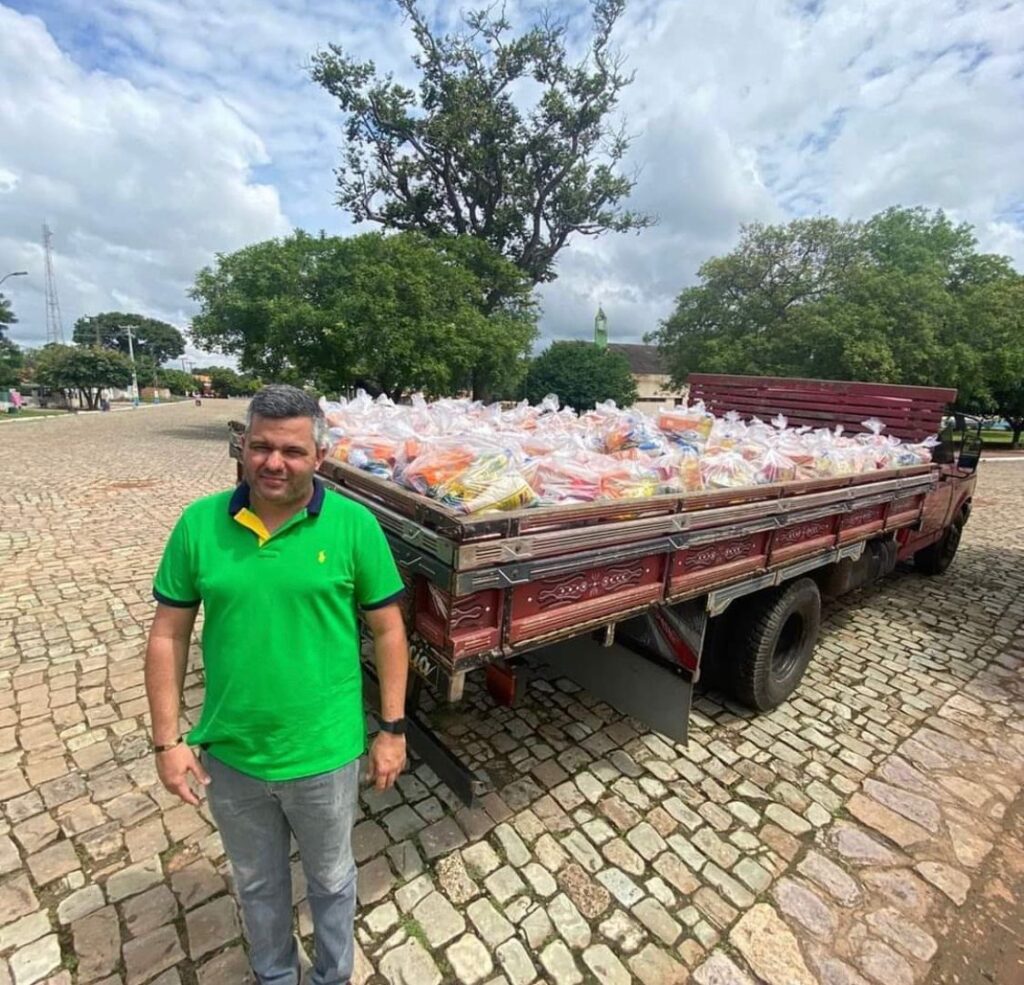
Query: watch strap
point(397, 727)
point(169, 746)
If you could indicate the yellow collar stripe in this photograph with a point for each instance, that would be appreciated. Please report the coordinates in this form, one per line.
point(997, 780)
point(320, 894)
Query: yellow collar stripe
point(252, 522)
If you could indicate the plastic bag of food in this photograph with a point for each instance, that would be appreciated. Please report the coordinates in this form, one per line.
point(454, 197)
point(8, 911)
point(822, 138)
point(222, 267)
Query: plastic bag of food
point(630, 431)
point(471, 493)
point(562, 479)
point(687, 425)
point(774, 466)
point(680, 470)
point(629, 480)
point(727, 470)
point(439, 464)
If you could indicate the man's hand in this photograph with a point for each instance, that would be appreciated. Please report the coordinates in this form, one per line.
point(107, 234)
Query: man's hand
point(173, 768)
point(386, 760)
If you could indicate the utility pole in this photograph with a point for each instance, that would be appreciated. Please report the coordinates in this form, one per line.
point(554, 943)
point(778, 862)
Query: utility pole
point(131, 355)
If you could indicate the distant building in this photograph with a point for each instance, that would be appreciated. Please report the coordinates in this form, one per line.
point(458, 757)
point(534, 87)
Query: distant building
point(653, 383)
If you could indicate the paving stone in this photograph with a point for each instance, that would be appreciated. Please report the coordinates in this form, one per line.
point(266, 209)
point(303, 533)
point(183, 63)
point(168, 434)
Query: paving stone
point(903, 934)
point(53, 862)
point(884, 965)
point(80, 903)
point(540, 880)
point(792, 823)
point(16, 899)
point(857, 846)
point(720, 970)
point(454, 880)
point(620, 886)
point(901, 887)
point(658, 920)
point(230, 967)
point(405, 859)
point(516, 963)
point(411, 893)
point(32, 962)
point(673, 871)
point(403, 822)
point(770, 948)
point(753, 874)
point(490, 924)
point(830, 969)
point(835, 881)
point(374, 880)
point(24, 931)
point(516, 852)
point(410, 964)
point(149, 955)
point(536, 927)
point(134, 879)
point(470, 960)
point(440, 838)
point(950, 880)
point(211, 926)
point(559, 964)
point(196, 883)
point(481, 860)
point(970, 849)
point(805, 906)
point(439, 919)
point(149, 910)
point(569, 922)
point(368, 839)
point(885, 821)
point(605, 966)
point(653, 966)
point(504, 884)
point(622, 931)
point(97, 939)
point(36, 833)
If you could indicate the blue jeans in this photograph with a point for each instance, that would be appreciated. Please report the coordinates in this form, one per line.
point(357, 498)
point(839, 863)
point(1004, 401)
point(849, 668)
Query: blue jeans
point(255, 818)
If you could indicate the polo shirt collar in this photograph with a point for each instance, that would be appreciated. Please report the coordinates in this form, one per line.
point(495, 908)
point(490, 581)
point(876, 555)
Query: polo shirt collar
point(240, 499)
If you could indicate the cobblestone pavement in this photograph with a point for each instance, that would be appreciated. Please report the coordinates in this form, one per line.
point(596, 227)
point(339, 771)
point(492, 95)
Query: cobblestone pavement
point(831, 841)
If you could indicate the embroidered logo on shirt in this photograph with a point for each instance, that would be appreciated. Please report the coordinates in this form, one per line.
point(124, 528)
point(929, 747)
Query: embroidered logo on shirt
point(322, 556)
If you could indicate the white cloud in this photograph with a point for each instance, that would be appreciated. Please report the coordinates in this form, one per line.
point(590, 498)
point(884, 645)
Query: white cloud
point(151, 134)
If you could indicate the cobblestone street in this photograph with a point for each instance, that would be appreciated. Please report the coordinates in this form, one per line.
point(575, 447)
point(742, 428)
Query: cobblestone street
point(832, 841)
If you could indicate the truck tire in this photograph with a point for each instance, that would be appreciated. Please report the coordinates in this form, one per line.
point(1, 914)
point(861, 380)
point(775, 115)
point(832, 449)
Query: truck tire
point(773, 644)
point(936, 558)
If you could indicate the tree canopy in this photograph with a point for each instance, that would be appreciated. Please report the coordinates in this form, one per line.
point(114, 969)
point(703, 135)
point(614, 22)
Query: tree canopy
point(904, 297)
point(463, 154)
point(581, 375)
point(85, 370)
point(154, 340)
point(390, 313)
point(10, 354)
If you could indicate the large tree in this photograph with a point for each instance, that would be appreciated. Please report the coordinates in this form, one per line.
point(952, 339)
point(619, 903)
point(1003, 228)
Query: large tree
point(152, 339)
point(85, 370)
point(581, 375)
point(10, 355)
point(904, 297)
point(505, 138)
point(390, 313)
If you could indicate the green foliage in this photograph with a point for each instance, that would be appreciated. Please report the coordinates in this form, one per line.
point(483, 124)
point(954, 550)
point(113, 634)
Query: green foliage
point(581, 375)
point(11, 358)
point(83, 369)
point(7, 316)
point(154, 340)
point(178, 382)
point(391, 313)
point(902, 298)
point(462, 155)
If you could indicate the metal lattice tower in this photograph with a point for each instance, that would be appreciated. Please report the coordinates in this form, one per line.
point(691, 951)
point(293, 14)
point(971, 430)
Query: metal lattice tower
point(54, 325)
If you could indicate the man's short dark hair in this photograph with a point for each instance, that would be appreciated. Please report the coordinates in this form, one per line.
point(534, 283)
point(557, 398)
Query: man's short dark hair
point(278, 401)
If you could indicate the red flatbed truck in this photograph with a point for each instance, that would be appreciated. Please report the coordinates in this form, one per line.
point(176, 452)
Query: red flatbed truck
point(627, 598)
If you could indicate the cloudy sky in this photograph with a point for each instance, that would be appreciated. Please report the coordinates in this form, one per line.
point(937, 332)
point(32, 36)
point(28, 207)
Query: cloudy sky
point(151, 134)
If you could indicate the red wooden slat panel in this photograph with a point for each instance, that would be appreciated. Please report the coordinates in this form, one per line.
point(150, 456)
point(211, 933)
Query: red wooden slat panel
point(909, 412)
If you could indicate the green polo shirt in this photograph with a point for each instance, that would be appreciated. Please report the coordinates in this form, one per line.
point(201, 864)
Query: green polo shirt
point(281, 631)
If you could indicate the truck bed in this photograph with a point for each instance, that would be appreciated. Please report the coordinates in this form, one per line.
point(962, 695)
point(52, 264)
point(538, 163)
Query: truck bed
point(494, 585)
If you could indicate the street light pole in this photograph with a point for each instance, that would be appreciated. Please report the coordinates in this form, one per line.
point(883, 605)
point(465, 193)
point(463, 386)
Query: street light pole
point(14, 273)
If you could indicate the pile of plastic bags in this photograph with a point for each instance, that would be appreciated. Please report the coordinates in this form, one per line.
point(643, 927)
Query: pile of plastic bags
point(474, 457)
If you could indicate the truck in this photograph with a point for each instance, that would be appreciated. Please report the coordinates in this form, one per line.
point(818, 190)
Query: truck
point(635, 600)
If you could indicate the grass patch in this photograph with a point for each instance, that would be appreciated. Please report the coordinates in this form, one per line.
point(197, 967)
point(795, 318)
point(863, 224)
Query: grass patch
point(990, 438)
point(32, 412)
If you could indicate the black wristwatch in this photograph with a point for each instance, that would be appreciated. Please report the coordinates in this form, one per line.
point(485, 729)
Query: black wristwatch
point(397, 727)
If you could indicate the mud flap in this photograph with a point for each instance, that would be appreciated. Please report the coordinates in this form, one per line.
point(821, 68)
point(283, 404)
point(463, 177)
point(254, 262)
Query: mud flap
point(647, 673)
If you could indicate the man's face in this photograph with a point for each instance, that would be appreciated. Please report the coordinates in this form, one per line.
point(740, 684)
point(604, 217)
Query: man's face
point(279, 458)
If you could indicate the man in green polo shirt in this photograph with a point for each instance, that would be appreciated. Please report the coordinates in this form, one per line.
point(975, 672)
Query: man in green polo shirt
point(282, 568)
